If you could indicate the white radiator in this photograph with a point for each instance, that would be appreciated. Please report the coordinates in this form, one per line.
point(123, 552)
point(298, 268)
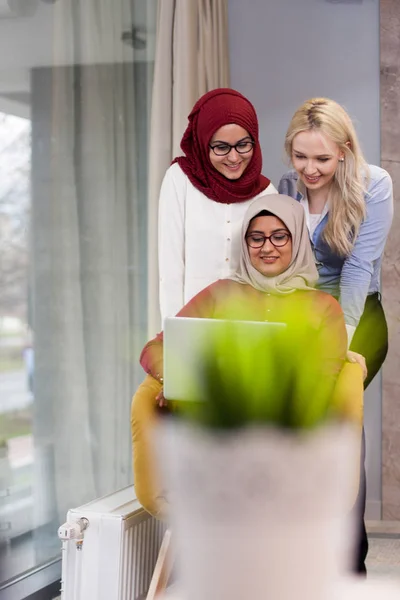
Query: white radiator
point(115, 557)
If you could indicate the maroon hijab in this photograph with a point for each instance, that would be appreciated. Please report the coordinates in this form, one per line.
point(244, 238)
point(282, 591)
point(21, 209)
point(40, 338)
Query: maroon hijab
point(213, 110)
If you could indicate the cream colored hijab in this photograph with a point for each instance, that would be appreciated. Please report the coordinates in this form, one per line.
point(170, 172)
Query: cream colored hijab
point(302, 273)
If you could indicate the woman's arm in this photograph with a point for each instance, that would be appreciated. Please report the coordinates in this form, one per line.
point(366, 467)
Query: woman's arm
point(332, 338)
point(368, 248)
point(171, 241)
point(201, 307)
point(324, 352)
point(323, 355)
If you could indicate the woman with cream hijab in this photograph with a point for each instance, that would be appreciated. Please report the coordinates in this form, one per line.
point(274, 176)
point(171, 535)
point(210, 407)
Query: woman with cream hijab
point(274, 282)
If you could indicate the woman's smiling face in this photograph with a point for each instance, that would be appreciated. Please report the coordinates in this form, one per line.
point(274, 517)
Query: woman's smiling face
point(269, 260)
point(231, 165)
point(315, 158)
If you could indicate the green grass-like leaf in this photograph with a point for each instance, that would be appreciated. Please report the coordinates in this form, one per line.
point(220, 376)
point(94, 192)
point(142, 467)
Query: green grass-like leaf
point(279, 381)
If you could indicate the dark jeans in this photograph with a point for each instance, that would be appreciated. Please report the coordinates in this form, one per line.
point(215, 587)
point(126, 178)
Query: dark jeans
point(371, 340)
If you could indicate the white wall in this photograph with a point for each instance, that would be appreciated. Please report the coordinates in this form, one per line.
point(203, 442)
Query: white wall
point(286, 51)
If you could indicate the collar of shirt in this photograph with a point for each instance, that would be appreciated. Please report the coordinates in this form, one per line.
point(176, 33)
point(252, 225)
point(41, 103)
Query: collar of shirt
point(305, 205)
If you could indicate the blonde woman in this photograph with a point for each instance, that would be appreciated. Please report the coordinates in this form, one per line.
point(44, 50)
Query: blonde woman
point(349, 210)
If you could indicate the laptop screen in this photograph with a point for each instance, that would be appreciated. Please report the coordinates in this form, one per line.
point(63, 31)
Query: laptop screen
point(186, 340)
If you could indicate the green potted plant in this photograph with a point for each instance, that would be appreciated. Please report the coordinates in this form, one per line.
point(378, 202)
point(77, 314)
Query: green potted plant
point(261, 470)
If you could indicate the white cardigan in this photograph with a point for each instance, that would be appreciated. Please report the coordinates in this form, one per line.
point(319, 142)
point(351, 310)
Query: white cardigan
point(199, 239)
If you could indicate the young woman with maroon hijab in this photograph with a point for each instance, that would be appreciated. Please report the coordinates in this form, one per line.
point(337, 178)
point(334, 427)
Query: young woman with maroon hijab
point(205, 194)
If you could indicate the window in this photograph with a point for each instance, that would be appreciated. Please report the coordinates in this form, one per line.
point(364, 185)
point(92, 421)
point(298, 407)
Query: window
point(75, 96)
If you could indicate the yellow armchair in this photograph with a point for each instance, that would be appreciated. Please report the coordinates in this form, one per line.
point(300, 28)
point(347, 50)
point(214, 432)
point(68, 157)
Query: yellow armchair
point(348, 399)
point(143, 418)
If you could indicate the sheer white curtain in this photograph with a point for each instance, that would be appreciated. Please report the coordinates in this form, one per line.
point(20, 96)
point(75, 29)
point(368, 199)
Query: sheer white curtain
point(192, 57)
point(89, 248)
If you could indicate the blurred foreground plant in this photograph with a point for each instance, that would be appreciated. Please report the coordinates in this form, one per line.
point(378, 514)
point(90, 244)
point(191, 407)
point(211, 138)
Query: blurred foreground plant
point(281, 380)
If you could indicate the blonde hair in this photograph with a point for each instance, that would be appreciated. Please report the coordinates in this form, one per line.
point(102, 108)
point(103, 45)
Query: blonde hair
point(347, 192)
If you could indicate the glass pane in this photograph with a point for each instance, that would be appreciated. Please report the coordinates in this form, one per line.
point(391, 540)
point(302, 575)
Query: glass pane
point(75, 96)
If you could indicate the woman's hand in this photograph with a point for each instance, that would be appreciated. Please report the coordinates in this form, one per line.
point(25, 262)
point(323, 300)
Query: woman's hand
point(354, 357)
point(161, 401)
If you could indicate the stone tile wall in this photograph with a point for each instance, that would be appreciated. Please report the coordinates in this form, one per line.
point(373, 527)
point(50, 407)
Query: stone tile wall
point(390, 160)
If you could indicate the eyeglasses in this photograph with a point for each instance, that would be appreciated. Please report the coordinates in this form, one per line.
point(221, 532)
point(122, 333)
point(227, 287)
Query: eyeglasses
point(257, 240)
point(240, 147)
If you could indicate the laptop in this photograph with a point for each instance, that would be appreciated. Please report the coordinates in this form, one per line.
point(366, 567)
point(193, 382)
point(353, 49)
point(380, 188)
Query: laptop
point(185, 340)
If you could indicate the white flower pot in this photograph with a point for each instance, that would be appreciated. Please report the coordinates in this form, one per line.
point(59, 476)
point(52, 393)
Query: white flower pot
point(259, 513)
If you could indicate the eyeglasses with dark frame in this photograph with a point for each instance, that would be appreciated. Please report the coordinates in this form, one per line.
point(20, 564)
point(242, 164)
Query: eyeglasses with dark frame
point(278, 239)
point(242, 147)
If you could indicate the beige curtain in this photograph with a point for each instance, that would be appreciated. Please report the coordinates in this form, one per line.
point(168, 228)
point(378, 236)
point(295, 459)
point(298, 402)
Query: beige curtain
point(89, 253)
point(192, 57)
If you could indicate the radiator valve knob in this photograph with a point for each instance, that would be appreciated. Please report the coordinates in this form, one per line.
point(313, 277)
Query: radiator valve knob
point(73, 531)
